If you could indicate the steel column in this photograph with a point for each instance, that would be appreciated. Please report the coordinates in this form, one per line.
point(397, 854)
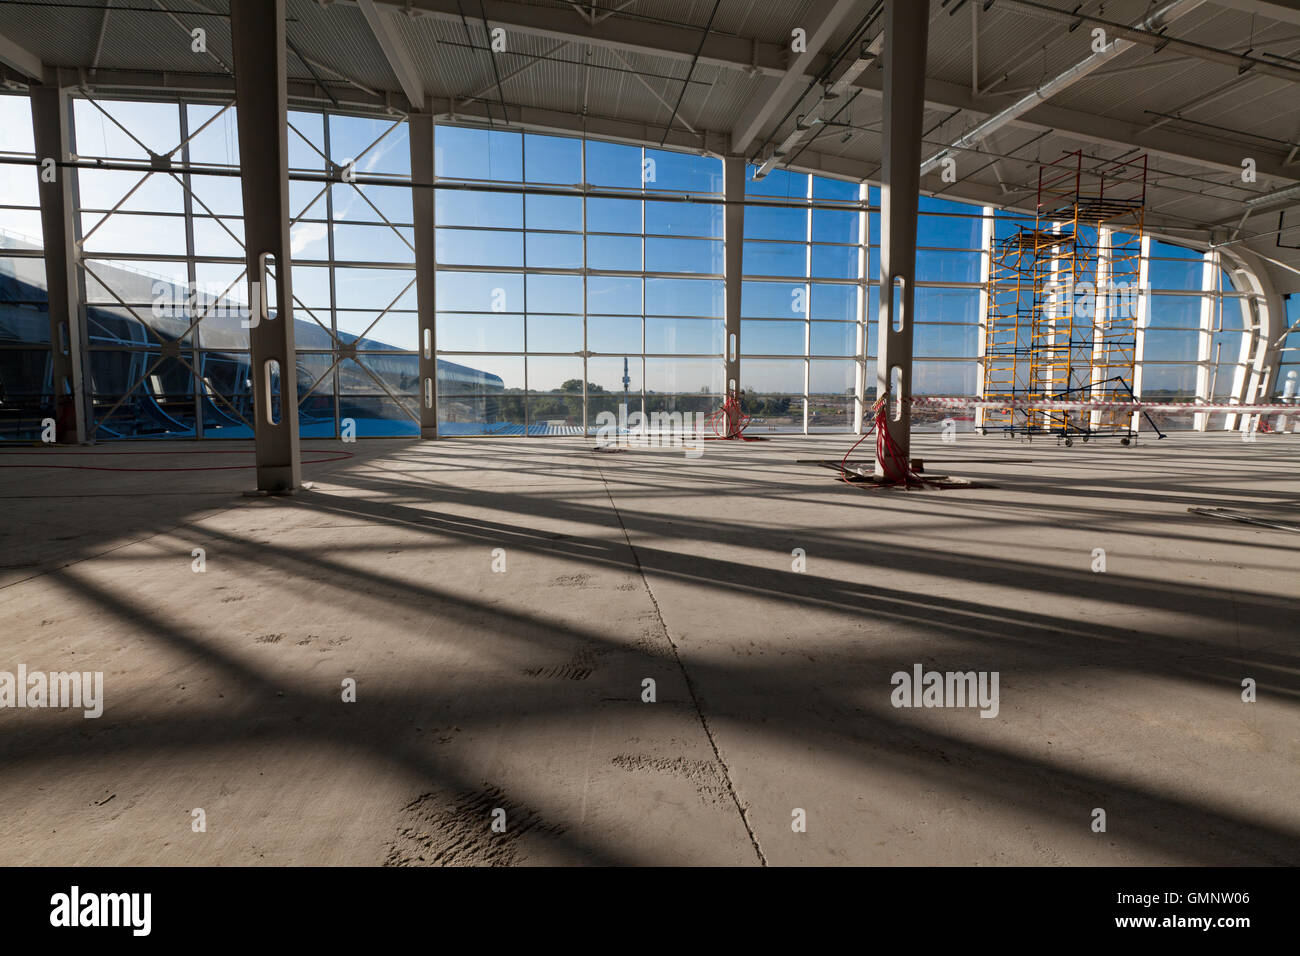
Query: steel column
point(52, 133)
point(420, 134)
point(733, 179)
point(906, 29)
point(257, 33)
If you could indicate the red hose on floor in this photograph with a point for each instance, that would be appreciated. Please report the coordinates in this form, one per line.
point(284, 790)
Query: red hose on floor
point(897, 469)
point(729, 422)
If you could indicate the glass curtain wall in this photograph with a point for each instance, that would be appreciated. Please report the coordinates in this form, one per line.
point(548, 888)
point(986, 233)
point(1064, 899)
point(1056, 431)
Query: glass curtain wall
point(810, 302)
point(140, 252)
point(947, 306)
point(574, 277)
point(1194, 335)
point(165, 284)
point(596, 280)
point(353, 248)
point(26, 388)
point(802, 302)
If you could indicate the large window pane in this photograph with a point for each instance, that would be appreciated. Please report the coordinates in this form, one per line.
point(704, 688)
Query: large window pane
point(461, 153)
point(679, 376)
point(1175, 312)
point(693, 297)
point(683, 219)
point(487, 209)
point(683, 255)
point(684, 336)
point(775, 259)
point(552, 159)
point(619, 334)
point(547, 250)
point(554, 333)
point(465, 332)
point(766, 337)
point(480, 291)
point(774, 300)
point(944, 378)
point(480, 247)
point(682, 172)
point(554, 373)
point(614, 253)
point(554, 212)
point(612, 164)
point(614, 215)
point(554, 293)
point(833, 338)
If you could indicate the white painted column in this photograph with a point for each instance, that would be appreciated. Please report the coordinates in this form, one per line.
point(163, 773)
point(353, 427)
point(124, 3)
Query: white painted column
point(807, 305)
point(1103, 310)
point(1205, 338)
point(1143, 317)
point(986, 270)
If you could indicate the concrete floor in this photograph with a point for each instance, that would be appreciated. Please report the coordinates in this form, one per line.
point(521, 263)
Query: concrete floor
point(479, 689)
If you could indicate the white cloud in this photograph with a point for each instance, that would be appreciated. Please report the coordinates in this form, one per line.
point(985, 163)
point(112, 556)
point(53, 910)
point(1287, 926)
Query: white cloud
point(304, 234)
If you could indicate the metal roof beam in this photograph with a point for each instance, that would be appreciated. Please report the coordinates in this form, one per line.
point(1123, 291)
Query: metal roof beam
point(843, 167)
point(1287, 11)
point(1109, 131)
point(217, 86)
point(1211, 54)
point(939, 94)
point(769, 59)
point(1154, 21)
point(18, 58)
point(395, 52)
point(623, 33)
point(600, 127)
point(823, 20)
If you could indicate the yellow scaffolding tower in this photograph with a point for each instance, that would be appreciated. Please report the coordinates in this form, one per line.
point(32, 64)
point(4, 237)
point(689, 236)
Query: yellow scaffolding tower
point(1062, 301)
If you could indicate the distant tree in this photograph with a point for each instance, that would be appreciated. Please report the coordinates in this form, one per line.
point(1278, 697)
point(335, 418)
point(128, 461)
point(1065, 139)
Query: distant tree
point(574, 385)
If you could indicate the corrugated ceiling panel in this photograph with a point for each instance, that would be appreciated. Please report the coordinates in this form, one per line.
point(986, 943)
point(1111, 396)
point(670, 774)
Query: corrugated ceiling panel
point(337, 35)
point(1026, 46)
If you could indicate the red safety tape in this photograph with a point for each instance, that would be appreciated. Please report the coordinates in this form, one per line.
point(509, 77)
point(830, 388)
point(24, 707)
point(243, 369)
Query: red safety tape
point(1054, 405)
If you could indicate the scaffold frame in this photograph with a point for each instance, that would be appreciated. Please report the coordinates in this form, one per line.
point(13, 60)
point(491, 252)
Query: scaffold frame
point(1063, 303)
